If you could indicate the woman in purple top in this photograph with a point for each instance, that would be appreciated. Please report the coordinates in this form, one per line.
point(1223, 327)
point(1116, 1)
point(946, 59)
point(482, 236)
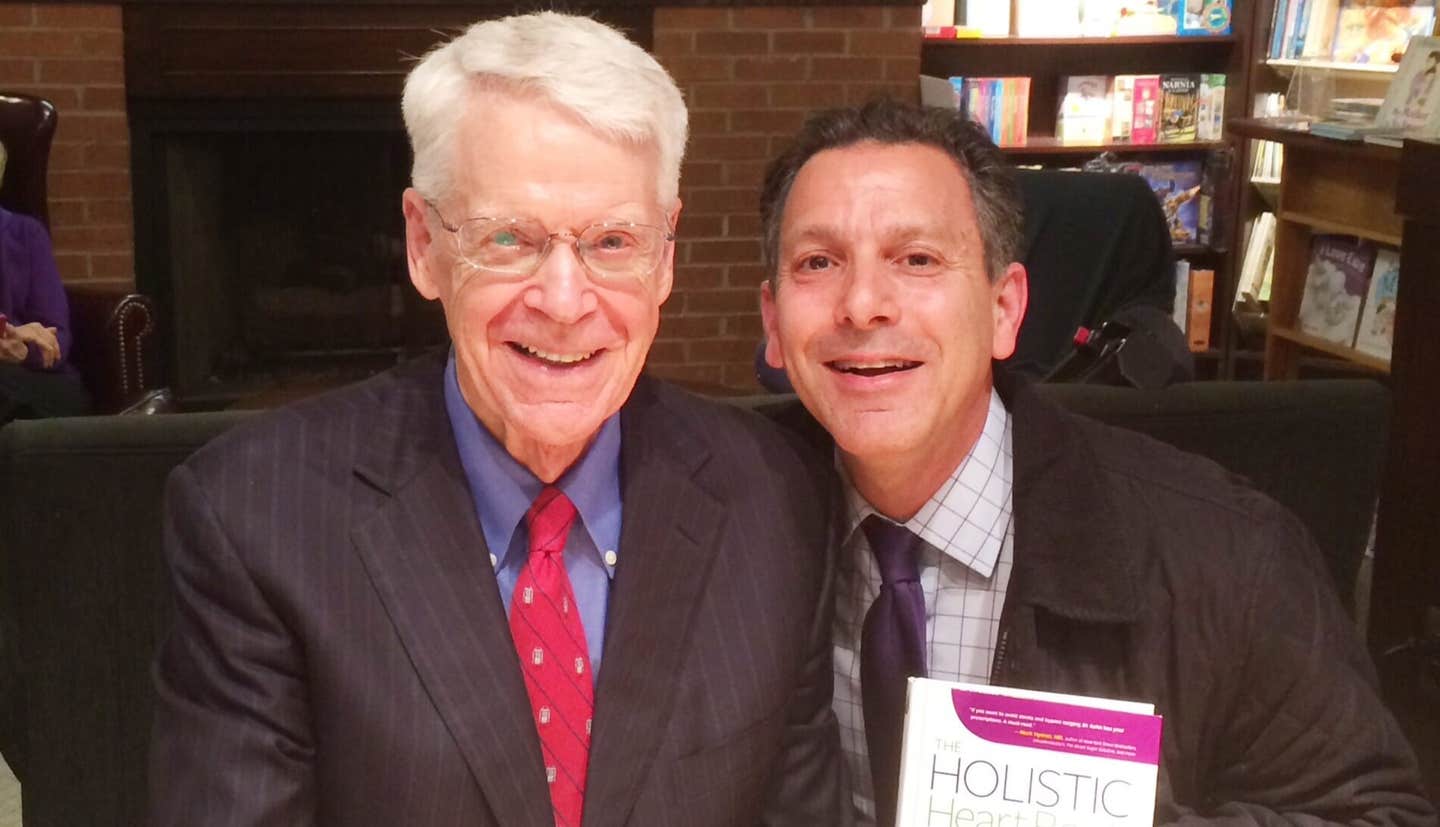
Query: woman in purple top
point(36, 379)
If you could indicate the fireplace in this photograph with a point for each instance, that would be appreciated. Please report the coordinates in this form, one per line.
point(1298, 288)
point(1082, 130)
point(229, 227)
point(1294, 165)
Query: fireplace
point(268, 163)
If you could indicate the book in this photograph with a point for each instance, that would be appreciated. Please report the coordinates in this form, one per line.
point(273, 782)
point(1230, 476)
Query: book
point(1210, 109)
point(1180, 310)
point(1368, 32)
point(991, 19)
point(1202, 17)
point(1376, 332)
point(1177, 185)
point(1084, 110)
point(1320, 34)
point(1144, 120)
point(991, 755)
point(1257, 254)
point(1412, 101)
point(1122, 107)
point(1179, 107)
point(941, 92)
point(1202, 297)
point(1047, 18)
point(1335, 287)
point(938, 13)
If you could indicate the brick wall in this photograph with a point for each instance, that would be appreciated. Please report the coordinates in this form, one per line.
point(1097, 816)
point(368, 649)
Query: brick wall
point(750, 75)
point(72, 55)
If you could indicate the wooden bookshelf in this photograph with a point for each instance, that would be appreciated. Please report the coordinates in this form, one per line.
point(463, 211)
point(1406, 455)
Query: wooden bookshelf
point(1050, 145)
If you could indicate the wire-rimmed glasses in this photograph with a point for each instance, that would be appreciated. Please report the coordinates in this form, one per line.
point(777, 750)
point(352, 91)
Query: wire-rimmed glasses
point(611, 251)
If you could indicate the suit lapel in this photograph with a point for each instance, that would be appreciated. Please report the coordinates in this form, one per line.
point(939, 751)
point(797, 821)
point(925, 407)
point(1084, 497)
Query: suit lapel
point(425, 553)
point(668, 546)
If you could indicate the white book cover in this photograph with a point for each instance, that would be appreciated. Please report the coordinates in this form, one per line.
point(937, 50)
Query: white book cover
point(1377, 321)
point(1412, 101)
point(992, 755)
point(990, 17)
point(1084, 110)
point(1180, 310)
point(1335, 287)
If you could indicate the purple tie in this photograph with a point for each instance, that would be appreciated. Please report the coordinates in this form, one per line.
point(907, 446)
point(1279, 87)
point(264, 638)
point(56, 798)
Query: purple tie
point(892, 649)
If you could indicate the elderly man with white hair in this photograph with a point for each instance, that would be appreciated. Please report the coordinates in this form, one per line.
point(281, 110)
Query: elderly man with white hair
point(516, 584)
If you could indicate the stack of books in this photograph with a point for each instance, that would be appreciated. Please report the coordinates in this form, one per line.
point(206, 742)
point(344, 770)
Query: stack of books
point(1141, 109)
point(1347, 31)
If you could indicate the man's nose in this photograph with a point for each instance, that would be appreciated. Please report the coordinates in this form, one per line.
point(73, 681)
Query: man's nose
point(561, 288)
point(868, 296)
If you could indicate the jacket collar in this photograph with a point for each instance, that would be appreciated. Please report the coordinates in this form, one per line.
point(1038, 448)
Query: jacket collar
point(1073, 553)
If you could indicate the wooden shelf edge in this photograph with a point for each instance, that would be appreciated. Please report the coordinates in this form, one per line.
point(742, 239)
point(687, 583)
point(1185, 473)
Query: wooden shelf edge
point(1123, 40)
point(1349, 354)
point(1049, 145)
point(1289, 65)
point(1328, 226)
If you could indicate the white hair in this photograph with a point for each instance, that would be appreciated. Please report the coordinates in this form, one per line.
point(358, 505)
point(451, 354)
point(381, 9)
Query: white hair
point(581, 65)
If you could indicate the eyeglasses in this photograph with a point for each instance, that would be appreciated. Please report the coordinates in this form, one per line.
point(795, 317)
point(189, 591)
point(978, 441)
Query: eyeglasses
point(611, 251)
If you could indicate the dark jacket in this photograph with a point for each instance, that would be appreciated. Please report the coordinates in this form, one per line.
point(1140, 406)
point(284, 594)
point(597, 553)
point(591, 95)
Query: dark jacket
point(1145, 573)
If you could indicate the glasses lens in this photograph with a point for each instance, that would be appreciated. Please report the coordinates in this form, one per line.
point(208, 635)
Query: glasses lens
point(503, 245)
point(621, 249)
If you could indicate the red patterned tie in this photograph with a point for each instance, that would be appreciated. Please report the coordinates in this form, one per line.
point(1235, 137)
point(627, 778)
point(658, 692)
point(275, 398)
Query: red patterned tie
point(550, 639)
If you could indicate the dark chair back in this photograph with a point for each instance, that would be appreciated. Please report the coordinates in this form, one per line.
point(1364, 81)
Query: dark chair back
point(1095, 244)
point(27, 127)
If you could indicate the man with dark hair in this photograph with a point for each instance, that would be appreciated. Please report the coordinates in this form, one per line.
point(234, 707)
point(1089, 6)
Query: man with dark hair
point(994, 538)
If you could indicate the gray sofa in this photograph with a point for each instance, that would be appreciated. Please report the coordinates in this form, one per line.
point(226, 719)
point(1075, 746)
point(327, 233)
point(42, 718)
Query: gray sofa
point(83, 597)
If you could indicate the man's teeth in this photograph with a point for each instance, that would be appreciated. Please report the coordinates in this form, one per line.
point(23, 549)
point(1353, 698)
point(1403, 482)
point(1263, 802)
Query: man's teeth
point(557, 358)
point(889, 364)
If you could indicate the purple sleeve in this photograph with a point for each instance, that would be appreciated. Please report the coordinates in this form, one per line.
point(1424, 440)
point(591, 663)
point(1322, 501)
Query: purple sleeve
point(44, 300)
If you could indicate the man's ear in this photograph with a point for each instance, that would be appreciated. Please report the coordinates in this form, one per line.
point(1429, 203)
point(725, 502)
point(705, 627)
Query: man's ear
point(1010, 295)
point(417, 245)
point(665, 273)
point(774, 357)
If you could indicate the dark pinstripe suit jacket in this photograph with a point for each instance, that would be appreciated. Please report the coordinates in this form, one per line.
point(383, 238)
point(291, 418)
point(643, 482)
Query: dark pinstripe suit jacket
point(341, 656)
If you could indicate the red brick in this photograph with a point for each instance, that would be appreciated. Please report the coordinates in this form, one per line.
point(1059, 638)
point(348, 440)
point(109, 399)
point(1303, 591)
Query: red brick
point(103, 44)
point(43, 43)
point(740, 378)
point(668, 352)
point(721, 350)
point(856, 93)
point(726, 95)
point(669, 42)
point(697, 377)
point(742, 226)
point(723, 200)
point(78, 16)
point(749, 326)
point(68, 212)
point(700, 173)
point(107, 156)
point(72, 266)
point(812, 42)
point(748, 275)
point(17, 71)
point(771, 19)
point(110, 211)
point(723, 251)
point(17, 14)
point(772, 68)
point(85, 126)
point(849, 69)
point(851, 17)
point(884, 44)
point(745, 174)
point(732, 43)
point(766, 120)
point(78, 184)
point(904, 17)
point(685, 68)
point(691, 327)
point(727, 147)
point(104, 98)
point(694, 227)
point(807, 95)
point(65, 98)
point(729, 300)
point(709, 122)
point(91, 236)
point(67, 156)
point(703, 19)
point(698, 277)
point(105, 71)
point(113, 266)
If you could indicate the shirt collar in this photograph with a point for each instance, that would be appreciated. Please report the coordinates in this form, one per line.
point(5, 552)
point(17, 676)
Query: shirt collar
point(503, 489)
point(987, 468)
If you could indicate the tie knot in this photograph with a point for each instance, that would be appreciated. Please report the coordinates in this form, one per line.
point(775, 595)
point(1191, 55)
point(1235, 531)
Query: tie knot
point(549, 521)
point(896, 549)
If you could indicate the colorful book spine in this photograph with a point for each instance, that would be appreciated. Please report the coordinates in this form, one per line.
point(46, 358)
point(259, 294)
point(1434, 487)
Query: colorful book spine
point(1202, 296)
point(1145, 118)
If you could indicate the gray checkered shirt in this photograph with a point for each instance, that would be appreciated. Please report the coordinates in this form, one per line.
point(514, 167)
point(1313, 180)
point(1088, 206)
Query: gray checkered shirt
point(964, 569)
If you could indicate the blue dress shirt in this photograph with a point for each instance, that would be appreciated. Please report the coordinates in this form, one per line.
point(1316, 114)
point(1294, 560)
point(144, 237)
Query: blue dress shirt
point(503, 490)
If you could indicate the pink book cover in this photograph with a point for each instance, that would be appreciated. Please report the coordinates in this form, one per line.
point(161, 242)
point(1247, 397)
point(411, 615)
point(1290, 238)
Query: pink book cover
point(1143, 125)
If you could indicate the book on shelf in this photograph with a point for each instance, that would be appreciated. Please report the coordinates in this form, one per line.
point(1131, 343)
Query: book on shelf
point(1122, 107)
point(1254, 282)
point(987, 17)
point(1001, 105)
point(992, 755)
point(1177, 185)
point(1202, 299)
point(1179, 107)
point(1047, 18)
point(1180, 309)
point(937, 13)
point(1412, 101)
point(1371, 32)
point(1210, 108)
point(1084, 110)
point(1144, 121)
point(1375, 334)
point(1335, 286)
point(1199, 17)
